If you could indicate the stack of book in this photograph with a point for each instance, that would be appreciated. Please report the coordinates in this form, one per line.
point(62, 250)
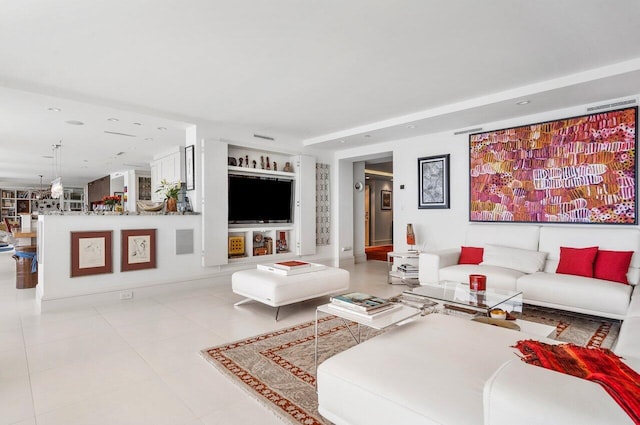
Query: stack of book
point(408, 271)
point(362, 305)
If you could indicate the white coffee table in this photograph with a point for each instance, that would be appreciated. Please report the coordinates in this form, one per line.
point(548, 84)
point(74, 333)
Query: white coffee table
point(399, 316)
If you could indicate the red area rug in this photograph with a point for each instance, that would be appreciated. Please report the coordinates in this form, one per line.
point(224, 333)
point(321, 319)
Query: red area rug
point(378, 252)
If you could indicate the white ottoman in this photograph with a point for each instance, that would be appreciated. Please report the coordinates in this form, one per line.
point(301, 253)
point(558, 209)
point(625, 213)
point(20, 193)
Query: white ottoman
point(277, 290)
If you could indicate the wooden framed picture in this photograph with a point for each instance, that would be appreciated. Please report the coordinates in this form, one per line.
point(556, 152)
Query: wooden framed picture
point(91, 253)
point(433, 182)
point(385, 200)
point(138, 249)
point(189, 166)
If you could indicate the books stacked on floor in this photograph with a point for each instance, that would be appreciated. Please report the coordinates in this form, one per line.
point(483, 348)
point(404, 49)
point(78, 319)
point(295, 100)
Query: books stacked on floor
point(362, 305)
point(408, 271)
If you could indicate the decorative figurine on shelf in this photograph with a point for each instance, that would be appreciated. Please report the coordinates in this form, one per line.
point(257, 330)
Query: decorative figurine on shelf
point(254, 163)
point(232, 161)
point(275, 166)
point(287, 168)
point(262, 162)
point(240, 161)
point(268, 165)
point(246, 161)
point(411, 237)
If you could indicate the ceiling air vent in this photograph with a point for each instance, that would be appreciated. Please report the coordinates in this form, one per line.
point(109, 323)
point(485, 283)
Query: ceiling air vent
point(471, 130)
point(612, 105)
point(120, 134)
point(260, 136)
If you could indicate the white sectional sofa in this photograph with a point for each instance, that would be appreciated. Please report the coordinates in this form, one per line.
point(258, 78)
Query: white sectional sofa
point(544, 287)
point(447, 370)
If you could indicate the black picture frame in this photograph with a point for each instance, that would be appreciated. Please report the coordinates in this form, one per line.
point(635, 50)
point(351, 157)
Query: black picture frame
point(433, 182)
point(386, 200)
point(189, 167)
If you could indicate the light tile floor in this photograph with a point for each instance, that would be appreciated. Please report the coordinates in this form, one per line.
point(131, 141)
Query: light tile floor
point(137, 361)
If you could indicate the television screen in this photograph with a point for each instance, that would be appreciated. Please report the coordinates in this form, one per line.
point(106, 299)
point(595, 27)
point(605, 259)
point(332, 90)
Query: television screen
point(572, 170)
point(260, 199)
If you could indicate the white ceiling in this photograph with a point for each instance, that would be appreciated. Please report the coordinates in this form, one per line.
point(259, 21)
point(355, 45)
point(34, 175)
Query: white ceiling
point(322, 73)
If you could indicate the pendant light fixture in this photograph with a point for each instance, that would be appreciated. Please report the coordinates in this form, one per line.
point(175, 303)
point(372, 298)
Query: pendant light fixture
point(56, 185)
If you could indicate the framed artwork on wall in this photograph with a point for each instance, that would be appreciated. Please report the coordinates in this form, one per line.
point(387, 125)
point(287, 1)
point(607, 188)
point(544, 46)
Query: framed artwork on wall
point(189, 167)
point(385, 200)
point(578, 170)
point(91, 253)
point(138, 249)
point(433, 182)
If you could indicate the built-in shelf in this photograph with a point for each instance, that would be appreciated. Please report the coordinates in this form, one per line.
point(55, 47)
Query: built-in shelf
point(259, 172)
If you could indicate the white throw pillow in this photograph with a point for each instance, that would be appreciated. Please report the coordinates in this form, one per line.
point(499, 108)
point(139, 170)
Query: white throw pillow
point(522, 260)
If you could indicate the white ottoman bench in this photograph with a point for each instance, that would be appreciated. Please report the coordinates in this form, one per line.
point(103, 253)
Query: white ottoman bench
point(276, 290)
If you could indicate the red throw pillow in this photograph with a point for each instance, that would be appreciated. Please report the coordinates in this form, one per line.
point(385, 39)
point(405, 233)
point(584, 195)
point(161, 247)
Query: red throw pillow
point(471, 255)
point(612, 265)
point(577, 261)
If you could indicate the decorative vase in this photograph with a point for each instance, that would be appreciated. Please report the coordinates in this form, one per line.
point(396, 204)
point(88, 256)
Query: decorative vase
point(172, 205)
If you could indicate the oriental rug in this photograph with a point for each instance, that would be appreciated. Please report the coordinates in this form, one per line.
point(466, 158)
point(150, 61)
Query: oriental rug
point(277, 368)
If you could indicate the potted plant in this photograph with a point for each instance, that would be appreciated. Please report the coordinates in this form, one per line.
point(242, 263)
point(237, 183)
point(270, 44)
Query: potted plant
point(170, 192)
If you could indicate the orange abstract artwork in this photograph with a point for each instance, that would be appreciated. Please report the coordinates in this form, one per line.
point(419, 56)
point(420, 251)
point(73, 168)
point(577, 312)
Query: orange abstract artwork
point(574, 170)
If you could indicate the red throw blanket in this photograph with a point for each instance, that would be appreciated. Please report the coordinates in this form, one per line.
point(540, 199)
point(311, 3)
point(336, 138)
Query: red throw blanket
point(594, 364)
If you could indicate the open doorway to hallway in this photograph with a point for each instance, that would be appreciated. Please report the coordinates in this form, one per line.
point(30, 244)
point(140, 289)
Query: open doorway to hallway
point(378, 208)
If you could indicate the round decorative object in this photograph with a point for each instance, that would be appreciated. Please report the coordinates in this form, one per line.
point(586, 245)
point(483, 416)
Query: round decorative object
point(358, 186)
point(257, 238)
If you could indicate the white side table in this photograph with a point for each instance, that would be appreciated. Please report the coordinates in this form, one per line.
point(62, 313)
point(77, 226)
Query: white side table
point(394, 273)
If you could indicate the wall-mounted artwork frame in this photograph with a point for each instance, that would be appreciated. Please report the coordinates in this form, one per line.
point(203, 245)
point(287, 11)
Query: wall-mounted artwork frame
point(91, 253)
point(189, 167)
point(433, 182)
point(385, 200)
point(579, 170)
point(138, 249)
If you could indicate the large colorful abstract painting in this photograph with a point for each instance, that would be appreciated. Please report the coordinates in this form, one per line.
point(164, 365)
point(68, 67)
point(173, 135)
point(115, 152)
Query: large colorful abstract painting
point(574, 170)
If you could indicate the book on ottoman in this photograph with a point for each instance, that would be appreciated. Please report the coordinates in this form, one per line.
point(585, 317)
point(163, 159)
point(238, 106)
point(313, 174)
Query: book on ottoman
point(286, 268)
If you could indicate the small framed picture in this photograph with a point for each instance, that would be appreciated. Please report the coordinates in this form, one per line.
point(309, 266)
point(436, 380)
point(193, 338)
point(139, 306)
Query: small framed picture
point(138, 249)
point(91, 253)
point(189, 166)
point(385, 200)
point(433, 182)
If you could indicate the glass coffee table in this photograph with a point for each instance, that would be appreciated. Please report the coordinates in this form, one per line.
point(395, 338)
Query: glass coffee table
point(457, 296)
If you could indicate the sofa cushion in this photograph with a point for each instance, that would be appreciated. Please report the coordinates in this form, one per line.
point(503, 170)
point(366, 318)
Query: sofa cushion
point(612, 265)
point(576, 293)
point(497, 277)
point(470, 255)
point(619, 239)
point(577, 261)
point(523, 260)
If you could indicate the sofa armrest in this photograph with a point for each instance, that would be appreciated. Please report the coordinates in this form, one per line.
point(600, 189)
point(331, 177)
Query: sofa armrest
point(535, 395)
point(431, 262)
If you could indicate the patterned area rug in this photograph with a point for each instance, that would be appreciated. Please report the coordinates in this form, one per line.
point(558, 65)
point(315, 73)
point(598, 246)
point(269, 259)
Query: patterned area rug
point(278, 368)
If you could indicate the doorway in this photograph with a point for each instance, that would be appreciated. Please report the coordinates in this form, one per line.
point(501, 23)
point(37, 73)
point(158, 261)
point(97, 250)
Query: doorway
point(378, 208)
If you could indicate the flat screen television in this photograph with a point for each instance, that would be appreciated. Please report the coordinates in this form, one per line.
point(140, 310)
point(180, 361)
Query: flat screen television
point(260, 200)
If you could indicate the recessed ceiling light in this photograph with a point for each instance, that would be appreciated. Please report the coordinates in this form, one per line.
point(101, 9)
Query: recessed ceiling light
point(55, 109)
point(341, 141)
point(47, 156)
point(113, 119)
point(523, 102)
point(149, 139)
point(367, 135)
point(74, 122)
point(137, 123)
point(411, 126)
point(162, 128)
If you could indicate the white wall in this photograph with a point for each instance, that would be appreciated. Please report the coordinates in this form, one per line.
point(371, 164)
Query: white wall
point(54, 277)
point(437, 228)
point(358, 212)
point(381, 220)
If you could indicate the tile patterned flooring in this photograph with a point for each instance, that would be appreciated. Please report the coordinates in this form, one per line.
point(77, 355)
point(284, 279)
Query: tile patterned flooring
point(137, 361)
